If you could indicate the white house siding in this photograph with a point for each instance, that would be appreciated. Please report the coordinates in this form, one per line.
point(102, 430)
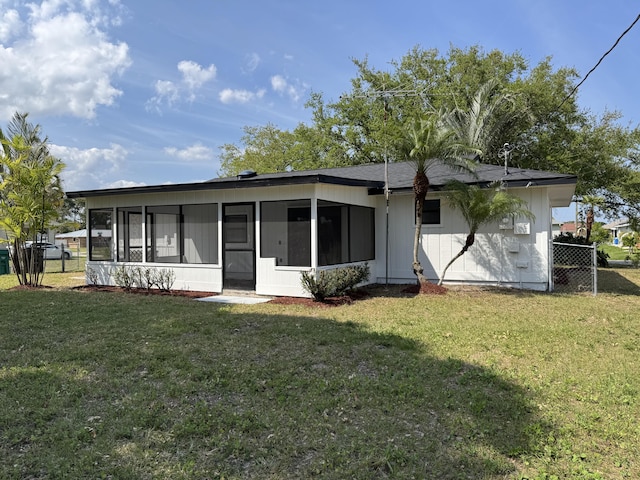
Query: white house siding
point(270, 279)
point(508, 257)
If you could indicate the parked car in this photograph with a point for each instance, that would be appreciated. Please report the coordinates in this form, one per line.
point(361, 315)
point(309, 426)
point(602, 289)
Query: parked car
point(51, 251)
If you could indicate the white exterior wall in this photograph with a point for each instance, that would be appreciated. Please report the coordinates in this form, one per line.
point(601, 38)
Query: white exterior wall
point(508, 257)
point(270, 279)
point(514, 257)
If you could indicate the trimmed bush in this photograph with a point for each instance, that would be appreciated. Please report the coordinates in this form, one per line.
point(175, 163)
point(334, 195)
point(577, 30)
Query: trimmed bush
point(333, 283)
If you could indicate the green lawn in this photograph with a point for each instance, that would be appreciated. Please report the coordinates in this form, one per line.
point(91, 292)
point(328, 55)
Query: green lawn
point(473, 384)
point(614, 252)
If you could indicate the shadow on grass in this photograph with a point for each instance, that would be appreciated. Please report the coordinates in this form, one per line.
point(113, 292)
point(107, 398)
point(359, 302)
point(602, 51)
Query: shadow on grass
point(202, 392)
point(613, 281)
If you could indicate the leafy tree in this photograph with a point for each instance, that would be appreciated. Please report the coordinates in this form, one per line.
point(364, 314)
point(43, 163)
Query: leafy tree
point(551, 133)
point(71, 215)
point(30, 194)
point(481, 206)
point(268, 149)
point(431, 141)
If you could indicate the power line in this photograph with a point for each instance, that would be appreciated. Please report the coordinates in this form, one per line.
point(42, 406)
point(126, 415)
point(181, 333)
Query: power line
point(599, 62)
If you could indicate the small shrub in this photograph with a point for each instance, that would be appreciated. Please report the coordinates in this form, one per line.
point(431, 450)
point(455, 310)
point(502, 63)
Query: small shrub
point(336, 282)
point(144, 277)
point(164, 279)
point(92, 276)
point(123, 277)
point(634, 258)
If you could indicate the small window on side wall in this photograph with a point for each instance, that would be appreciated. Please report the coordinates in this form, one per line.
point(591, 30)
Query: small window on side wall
point(431, 212)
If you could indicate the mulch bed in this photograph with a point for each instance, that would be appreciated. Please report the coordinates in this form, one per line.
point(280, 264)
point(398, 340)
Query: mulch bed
point(144, 291)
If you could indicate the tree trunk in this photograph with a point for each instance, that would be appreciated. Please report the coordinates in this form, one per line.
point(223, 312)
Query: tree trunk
point(471, 238)
point(590, 216)
point(420, 189)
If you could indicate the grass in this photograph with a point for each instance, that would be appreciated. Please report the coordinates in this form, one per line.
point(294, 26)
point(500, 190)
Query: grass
point(473, 384)
point(615, 252)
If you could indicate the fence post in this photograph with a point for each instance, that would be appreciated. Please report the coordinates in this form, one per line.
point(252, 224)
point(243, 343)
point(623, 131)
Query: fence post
point(595, 269)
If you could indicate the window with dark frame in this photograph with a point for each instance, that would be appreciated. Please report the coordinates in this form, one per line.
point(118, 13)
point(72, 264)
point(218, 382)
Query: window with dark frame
point(431, 212)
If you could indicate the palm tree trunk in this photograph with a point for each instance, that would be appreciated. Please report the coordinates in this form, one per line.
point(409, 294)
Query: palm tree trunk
point(420, 189)
point(590, 215)
point(471, 238)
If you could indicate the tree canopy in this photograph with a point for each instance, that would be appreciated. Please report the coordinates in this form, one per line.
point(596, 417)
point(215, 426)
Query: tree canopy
point(550, 130)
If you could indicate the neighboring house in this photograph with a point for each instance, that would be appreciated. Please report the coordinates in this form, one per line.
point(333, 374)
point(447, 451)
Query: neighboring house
point(618, 229)
point(556, 227)
point(259, 232)
point(74, 239)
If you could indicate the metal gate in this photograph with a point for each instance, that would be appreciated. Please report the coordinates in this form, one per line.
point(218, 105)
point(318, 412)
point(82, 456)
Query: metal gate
point(575, 268)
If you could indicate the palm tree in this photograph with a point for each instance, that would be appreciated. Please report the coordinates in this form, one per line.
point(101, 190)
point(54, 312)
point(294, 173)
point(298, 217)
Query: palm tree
point(30, 193)
point(430, 141)
point(591, 201)
point(482, 123)
point(480, 206)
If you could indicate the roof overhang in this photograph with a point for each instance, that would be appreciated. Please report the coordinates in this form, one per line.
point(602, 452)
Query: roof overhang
point(231, 184)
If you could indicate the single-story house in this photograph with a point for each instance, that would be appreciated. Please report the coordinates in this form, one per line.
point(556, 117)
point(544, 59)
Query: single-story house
point(74, 239)
point(260, 232)
point(617, 229)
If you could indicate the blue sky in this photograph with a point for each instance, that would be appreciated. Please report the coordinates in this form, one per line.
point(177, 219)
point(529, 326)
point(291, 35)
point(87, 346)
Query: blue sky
point(145, 92)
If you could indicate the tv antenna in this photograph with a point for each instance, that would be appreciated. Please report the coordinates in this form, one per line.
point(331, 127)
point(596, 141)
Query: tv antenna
point(385, 96)
point(505, 152)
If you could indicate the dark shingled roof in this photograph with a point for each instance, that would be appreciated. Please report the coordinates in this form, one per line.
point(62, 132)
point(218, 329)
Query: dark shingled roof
point(370, 176)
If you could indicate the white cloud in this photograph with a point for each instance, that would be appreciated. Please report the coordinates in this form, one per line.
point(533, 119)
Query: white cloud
point(196, 152)
point(282, 86)
point(194, 77)
point(229, 95)
point(89, 166)
point(10, 25)
point(58, 60)
point(124, 184)
point(253, 60)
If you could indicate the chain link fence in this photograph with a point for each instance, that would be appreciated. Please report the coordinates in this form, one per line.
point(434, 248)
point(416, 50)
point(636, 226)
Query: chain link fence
point(575, 268)
point(66, 259)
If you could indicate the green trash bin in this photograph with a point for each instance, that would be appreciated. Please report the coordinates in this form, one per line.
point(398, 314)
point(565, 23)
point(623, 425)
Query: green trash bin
point(4, 262)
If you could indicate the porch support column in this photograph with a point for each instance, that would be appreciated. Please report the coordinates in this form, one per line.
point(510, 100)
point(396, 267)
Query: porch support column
point(314, 232)
point(144, 234)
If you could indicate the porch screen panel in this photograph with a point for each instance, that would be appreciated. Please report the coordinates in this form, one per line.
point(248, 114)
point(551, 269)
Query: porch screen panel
point(101, 234)
point(163, 228)
point(200, 233)
point(346, 233)
point(130, 240)
point(285, 232)
point(361, 233)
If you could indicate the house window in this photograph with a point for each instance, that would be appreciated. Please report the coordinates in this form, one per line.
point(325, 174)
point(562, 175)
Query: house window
point(130, 240)
point(285, 232)
point(345, 233)
point(100, 234)
point(431, 212)
point(182, 234)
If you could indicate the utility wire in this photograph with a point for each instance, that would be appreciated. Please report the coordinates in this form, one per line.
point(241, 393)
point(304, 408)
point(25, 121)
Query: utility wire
point(599, 62)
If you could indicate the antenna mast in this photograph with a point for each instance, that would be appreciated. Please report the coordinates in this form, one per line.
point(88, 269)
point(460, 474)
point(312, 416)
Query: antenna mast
point(385, 95)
